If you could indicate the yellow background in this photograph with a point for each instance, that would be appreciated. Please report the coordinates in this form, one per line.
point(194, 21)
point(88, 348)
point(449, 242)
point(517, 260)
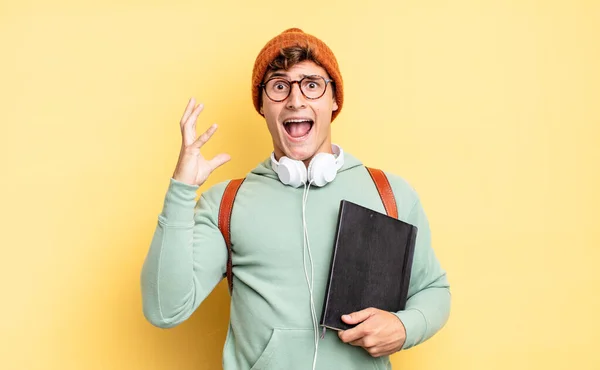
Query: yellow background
point(490, 109)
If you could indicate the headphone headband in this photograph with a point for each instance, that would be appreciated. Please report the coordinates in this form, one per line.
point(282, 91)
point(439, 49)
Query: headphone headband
point(322, 169)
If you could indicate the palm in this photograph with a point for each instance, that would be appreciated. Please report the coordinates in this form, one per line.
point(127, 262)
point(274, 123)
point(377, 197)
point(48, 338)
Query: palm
point(192, 167)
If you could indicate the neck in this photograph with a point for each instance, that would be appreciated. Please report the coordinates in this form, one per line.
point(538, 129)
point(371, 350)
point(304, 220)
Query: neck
point(325, 148)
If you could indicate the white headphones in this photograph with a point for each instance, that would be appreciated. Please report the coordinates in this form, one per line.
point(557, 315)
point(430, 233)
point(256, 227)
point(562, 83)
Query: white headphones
point(322, 168)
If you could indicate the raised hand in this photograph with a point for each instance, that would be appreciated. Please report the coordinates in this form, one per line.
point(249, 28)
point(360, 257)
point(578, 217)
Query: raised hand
point(192, 168)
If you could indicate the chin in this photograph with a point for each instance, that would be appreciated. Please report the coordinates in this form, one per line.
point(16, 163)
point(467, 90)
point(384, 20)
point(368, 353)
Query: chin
point(300, 154)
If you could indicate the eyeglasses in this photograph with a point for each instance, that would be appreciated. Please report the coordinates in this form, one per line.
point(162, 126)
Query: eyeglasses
point(312, 87)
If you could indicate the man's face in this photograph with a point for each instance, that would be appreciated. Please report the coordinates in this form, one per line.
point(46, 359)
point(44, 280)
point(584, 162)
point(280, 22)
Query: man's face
point(300, 127)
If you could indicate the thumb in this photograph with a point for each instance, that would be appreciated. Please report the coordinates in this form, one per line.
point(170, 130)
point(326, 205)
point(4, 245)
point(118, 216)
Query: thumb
point(219, 160)
point(358, 316)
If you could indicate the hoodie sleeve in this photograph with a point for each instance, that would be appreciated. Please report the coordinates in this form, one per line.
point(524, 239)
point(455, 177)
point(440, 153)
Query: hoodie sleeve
point(187, 256)
point(428, 306)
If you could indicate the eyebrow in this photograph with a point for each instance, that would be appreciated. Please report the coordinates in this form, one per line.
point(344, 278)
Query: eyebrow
point(282, 74)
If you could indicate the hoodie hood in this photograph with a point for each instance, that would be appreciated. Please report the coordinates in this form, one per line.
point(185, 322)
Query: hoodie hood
point(265, 169)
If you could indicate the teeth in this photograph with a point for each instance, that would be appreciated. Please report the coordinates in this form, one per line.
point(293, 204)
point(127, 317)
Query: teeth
point(297, 120)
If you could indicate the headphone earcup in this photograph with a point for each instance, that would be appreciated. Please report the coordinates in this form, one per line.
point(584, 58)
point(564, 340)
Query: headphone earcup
point(322, 169)
point(291, 172)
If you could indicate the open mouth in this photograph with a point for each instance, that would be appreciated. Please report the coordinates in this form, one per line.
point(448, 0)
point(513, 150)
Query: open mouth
point(298, 128)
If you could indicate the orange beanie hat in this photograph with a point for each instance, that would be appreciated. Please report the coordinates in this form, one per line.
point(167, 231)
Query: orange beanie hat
point(296, 37)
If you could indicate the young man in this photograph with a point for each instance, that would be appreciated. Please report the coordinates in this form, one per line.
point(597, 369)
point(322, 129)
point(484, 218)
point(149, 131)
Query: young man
point(281, 237)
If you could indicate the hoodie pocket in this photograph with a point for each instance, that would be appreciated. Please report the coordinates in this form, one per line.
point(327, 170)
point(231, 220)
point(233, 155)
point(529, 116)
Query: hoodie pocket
point(294, 349)
point(286, 349)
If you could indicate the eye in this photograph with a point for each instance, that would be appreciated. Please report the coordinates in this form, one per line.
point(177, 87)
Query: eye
point(279, 85)
point(313, 84)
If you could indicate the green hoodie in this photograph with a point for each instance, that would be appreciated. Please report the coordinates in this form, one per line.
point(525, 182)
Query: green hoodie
point(270, 323)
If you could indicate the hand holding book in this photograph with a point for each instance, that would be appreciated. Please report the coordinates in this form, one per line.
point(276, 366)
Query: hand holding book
point(379, 332)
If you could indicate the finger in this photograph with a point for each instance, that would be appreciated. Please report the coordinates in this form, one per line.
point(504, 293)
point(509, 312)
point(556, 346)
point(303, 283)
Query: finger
point(205, 136)
point(194, 115)
point(219, 160)
point(359, 316)
point(189, 128)
point(367, 342)
point(357, 343)
point(375, 352)
point(353, 334)
point(384, 350)
point(187, 112)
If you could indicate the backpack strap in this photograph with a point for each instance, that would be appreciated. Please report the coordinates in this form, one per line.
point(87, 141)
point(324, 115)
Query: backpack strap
point(385, 191)
point(225, 210)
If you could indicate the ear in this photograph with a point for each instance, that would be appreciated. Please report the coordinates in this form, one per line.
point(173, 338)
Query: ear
point(261, 102)
point(335, 104)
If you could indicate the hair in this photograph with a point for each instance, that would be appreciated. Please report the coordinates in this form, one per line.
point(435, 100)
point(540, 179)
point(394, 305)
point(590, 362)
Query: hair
point(290, 56)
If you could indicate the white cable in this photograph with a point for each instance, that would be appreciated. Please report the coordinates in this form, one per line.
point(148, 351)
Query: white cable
point(304, 239)
point(312, 273)
point(310, 285)
point(306, 245)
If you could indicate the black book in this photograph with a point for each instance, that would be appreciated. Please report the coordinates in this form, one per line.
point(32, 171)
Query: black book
point(370, 266)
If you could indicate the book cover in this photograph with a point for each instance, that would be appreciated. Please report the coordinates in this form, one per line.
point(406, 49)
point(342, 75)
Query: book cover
point(370, 266)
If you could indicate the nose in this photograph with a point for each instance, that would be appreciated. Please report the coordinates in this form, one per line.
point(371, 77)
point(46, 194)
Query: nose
point(296, 99)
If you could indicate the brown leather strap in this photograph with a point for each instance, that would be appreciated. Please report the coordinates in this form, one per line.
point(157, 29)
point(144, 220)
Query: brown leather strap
point(385, 191)
point(225, 210)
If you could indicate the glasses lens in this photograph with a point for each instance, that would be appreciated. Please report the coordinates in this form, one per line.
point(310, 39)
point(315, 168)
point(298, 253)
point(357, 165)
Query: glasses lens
point(277, 89)
point(313, 86)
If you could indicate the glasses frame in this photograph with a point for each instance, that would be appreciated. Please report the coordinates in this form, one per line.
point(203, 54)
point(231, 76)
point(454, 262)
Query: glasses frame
point(292, 82)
